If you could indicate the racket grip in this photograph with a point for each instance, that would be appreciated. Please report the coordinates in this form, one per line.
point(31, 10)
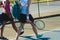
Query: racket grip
point(27, 17)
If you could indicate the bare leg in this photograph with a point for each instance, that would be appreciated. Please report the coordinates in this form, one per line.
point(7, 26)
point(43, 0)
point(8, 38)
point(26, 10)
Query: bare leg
point(21, 26)
point(33, 27)
point(35, 30)
point(2, 29)
point(13, 25)
point(12, 22)
point(20, 29)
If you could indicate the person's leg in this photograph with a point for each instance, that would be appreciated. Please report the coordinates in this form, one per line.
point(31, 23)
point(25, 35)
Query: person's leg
point(31, 20)
point(12, 22)
point(13, 25)
point(2, 28)
point(8, 17)
point(22, 22)
point(21, 29)
point(34, 28)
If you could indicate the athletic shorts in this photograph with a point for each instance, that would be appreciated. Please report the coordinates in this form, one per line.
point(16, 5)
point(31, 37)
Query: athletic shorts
point(4, 17)
point(1, 20)
point(23, 18)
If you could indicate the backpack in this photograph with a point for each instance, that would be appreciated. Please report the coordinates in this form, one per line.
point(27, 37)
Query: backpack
point(16, 10)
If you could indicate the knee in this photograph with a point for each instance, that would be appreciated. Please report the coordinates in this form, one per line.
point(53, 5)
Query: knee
point(31, 22)
point(11, 19)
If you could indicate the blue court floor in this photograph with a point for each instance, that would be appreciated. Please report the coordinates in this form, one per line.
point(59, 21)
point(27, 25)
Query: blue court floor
point(47, 35)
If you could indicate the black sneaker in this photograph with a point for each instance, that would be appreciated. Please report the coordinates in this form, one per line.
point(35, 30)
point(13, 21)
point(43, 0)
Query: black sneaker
point(21, 33)
point(3, 38)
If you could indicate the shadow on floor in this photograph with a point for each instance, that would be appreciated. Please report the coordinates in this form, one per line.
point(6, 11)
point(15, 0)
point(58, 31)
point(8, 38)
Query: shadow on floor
point(31, 38)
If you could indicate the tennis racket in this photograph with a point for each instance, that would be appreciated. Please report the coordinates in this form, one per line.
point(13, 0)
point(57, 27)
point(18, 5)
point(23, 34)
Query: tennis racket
point(18, 34)
point(39, 24)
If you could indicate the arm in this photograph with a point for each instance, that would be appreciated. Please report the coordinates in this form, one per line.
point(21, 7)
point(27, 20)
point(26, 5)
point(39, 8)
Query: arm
point(27, 6)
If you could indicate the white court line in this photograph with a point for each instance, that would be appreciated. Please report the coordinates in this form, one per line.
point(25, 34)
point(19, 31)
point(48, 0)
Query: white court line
point(46, 31)
point(40, 33)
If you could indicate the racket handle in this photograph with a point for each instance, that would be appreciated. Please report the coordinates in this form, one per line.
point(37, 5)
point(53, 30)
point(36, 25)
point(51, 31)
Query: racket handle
point(27, 17)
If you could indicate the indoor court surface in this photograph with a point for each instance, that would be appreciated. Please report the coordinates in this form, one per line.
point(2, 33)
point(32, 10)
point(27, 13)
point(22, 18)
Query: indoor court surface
point(51, 17)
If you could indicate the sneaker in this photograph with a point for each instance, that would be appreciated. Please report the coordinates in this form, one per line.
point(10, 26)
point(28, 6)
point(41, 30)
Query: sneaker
point(3, 38)
point(38, 36)
point(21, 33)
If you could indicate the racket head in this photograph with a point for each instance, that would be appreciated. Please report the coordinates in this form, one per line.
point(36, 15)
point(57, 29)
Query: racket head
point(39, 24)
